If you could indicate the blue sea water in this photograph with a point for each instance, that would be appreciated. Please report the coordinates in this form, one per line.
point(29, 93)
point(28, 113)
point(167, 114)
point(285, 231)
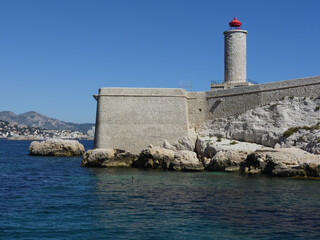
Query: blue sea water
point(55, 198)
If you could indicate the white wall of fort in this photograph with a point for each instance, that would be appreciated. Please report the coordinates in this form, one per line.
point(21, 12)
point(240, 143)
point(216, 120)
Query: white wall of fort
point(132, 118)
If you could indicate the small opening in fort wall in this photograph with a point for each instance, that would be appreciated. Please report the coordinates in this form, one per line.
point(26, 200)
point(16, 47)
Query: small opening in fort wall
point(200, 109)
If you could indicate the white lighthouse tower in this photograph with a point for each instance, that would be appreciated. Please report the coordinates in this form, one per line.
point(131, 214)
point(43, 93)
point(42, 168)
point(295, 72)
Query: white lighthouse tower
point(235, 57)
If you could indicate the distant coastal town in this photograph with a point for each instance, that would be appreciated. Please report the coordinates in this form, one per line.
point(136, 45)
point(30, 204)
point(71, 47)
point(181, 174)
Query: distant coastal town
point(19, 132)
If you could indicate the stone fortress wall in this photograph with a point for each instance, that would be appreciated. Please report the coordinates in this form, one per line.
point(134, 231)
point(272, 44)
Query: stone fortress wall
point(235, 101)
point(132, 118)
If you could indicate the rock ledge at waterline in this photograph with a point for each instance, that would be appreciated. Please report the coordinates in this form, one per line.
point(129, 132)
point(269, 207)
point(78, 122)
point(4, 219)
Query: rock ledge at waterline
point(56, 147)
point(282, 162)
point(152, 157)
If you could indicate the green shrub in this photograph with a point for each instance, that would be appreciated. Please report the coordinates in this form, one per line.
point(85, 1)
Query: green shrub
point(316, 127)
point(219, 140)
point(317, 108)
point(233, 143)
point(290, 131)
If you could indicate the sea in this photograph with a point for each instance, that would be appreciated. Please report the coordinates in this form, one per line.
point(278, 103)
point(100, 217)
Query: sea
point(56, 198)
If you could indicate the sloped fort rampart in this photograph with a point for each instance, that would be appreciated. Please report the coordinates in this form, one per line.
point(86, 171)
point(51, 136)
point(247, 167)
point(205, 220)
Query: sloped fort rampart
point(132, 118)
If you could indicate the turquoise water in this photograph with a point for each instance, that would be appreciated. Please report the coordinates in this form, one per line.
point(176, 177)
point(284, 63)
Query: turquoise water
point(55, 198)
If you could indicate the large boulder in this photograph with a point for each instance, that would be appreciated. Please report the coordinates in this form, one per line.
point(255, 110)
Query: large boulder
point(208, 146)
point(56, 147)
point(161, 158)
point(220, 154)
point(225, 160)
point(186, 161)
point(155, 157)
point(283, 162)
point(108, 158)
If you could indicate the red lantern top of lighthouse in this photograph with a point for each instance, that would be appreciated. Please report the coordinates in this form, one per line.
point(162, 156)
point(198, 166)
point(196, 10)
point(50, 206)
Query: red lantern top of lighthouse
point(235, 23)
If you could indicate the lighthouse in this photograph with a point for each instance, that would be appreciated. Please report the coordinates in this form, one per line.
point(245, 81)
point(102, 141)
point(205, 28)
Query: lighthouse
point(235, 57)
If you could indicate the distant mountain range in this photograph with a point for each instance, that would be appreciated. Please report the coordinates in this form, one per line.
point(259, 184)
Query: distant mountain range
point(34, 119)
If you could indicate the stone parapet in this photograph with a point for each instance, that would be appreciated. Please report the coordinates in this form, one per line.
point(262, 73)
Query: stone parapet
point(220, 86)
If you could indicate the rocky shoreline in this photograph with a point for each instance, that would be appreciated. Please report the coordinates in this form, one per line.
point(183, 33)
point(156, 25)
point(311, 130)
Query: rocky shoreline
point(152, 157)
point(279, 139)
point(245, 158)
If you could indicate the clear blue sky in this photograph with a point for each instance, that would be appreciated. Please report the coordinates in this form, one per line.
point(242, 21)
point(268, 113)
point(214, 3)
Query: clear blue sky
point(55, 54)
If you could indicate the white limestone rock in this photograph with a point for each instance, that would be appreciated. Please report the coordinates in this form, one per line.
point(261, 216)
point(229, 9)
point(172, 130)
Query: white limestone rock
point(306, 138)
point(208, 146)
point(220, 154)
point(184, 143)
point(154, 158)
point(167, 145)
point(161, 158)
point(226, 160)
point(56, 147)
point(186, 161)
point(265, 125)
point(108, 158)
point(283, 162)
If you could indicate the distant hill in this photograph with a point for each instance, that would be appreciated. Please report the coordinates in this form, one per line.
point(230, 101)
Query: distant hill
point(34, 119)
